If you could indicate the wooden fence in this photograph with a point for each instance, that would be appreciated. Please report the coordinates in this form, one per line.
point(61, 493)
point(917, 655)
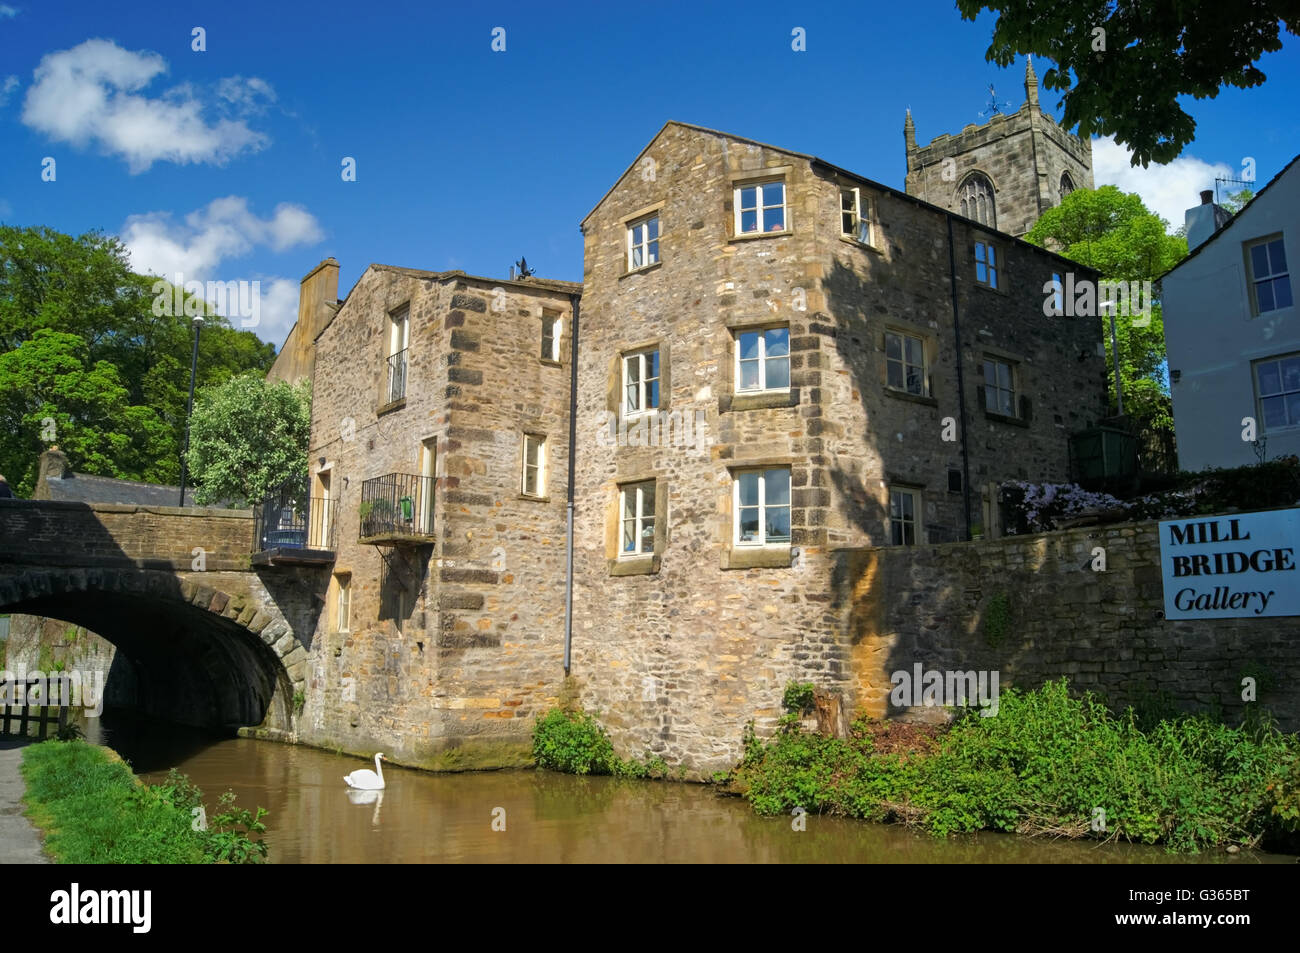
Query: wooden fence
point(17, 708)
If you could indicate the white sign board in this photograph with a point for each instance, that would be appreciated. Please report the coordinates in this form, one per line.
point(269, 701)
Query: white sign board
point(1223, 567)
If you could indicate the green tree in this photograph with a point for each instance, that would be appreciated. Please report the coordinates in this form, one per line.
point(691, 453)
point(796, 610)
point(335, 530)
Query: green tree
point(1116, 234)
point(84, 286)
point(50, 388)
point(247, 437)
point(1125, 81)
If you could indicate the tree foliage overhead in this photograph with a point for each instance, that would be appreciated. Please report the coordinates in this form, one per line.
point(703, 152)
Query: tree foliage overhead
point(1126, 81)
point(122, 413)
point(1118, 235)
point(248, 437)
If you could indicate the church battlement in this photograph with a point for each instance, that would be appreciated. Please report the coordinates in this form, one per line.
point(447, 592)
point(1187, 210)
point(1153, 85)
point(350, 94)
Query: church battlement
point(1004, 172)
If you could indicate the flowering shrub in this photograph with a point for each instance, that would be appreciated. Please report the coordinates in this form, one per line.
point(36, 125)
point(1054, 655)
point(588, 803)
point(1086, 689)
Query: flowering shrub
point(1040, 507)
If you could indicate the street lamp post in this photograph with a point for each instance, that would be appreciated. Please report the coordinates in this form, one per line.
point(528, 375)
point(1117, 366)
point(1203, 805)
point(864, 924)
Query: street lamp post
point(189, 408)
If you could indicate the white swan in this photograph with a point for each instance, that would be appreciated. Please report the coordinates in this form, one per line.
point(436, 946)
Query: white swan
point(367, 780)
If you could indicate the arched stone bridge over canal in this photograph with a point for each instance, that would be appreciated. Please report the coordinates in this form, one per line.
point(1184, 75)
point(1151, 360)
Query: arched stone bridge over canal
point(212, 641)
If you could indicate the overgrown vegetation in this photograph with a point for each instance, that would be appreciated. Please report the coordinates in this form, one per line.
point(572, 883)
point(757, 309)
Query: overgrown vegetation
point(1048, 763)
point(1036, 508)
point(93, 810)
point(574, 742)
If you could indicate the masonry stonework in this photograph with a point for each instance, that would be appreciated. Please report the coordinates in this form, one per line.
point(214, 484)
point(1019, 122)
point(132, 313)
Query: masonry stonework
point(678, 657)
point(457, 638)
point(1033, 609)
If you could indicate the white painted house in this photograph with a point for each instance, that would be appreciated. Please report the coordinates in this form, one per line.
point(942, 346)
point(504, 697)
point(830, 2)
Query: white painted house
point(1232, 329)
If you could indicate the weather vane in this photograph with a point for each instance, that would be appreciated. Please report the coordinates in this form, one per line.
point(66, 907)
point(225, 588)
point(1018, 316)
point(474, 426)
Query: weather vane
point(993, 107)
point(521, 269)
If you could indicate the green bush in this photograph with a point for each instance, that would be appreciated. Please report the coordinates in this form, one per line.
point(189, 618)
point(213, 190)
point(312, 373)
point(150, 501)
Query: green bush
point(1046, 763)
point(94, 811)
point(575, 743)
point(798, 697)
point(572, 742)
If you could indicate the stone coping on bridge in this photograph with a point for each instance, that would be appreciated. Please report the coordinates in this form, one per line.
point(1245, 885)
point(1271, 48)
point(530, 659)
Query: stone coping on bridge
point(134, 508)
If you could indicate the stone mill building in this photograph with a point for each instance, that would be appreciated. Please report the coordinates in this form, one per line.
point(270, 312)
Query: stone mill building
point(770, 358)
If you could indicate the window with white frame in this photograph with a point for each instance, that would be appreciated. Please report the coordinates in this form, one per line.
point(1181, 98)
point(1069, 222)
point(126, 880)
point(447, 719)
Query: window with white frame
point(1270, 280)
point(762, 506)
point(1277, 388)
point(855, 215)
point(343, 607)
point(760, 207)
point(643, 242)
point(399, 336)
point(999, 387)
point(904, 515)
point(905, 363)
point(637, 509)
point(640, 382)
point(534, 473)
point(762, 360)
point(551, 335)
point(986, 264)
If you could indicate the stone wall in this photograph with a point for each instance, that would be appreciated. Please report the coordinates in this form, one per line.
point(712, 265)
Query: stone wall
point(1033, 609)
point(677, 654)
point(454, 643)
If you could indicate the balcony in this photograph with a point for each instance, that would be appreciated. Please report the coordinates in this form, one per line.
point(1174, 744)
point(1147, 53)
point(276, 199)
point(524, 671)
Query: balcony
point(292, 527)
point(396, 390)
point(397, 508)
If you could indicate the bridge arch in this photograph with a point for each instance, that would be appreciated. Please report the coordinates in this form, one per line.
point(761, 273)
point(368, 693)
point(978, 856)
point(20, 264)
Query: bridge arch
point(201, 655)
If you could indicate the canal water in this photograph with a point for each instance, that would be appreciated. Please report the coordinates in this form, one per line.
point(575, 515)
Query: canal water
point(548, 818)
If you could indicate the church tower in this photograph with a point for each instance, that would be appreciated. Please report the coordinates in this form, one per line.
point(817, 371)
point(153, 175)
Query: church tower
point(1005, 172)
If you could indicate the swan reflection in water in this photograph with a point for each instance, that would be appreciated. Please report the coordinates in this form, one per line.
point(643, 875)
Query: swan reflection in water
point(376, 798)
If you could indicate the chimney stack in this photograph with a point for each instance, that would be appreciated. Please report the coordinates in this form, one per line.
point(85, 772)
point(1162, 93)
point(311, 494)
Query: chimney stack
point(1204, 220)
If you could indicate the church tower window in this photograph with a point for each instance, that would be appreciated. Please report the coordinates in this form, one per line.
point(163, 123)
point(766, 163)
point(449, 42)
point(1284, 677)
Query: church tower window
point(976, 198)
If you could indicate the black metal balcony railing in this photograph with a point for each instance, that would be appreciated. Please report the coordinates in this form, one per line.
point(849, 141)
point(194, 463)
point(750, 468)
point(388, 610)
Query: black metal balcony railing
point(397, 505)
point(396, 376)
point(289, 518)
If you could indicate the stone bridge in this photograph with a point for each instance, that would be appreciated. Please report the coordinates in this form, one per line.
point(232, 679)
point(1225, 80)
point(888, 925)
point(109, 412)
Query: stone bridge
point(212, 642)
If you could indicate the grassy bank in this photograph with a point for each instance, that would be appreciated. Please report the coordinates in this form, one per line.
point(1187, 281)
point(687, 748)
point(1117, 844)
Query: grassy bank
point(93, 810)
point(1047, 763)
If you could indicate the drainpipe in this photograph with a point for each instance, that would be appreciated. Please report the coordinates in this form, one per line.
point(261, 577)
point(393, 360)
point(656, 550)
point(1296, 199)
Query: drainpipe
point(961, 385)
point(573, 443)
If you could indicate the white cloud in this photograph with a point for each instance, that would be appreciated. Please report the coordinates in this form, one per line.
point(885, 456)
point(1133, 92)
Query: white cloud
point(226, 228)
point(7, 86)
point(7, 12)
point(279, 310)
point(1168, 190)
point(92, 94)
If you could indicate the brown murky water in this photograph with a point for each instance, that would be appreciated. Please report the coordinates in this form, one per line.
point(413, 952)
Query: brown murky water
point(448, 818)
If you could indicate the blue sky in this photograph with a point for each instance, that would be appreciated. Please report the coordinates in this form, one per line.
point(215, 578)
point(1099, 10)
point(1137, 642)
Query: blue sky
point(226, 163)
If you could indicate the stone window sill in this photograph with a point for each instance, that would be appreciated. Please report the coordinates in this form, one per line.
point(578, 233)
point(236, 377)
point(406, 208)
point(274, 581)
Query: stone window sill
point(533, 499)
point(999, 290)
point(758, 401)
point(646, 564)
point(756, 557)
point(850, 240)
point(1004, 419)
point(750, 236)
point(390, 406)
point(914, 398)
point(550, 363)
point(642, 270)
